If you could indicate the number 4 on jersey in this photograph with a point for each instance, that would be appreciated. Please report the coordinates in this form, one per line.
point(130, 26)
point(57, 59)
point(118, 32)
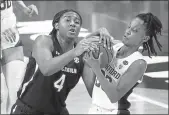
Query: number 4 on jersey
point(59, 83)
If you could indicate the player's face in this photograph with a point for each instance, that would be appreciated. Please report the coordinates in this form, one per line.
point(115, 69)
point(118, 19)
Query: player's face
point(135, 33)
point(69, 25)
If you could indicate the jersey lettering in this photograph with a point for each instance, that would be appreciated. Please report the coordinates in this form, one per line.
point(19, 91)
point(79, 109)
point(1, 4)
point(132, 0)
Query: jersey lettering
point(70, 70)
point(97, 83)
point(112, 72)
point(5, 4)
point(59, 83)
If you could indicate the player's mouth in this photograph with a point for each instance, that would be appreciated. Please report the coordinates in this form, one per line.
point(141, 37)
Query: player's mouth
point(72, 30)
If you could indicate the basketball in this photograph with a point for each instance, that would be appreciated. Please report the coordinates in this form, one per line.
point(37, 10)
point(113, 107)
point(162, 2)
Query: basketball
point(105, 58)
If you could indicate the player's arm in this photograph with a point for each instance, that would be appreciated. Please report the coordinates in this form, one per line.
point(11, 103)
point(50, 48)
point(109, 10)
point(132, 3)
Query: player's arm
point(21, 4)
point(29, 10)
point(128, 80)
point(88, 78)
point(42, 52)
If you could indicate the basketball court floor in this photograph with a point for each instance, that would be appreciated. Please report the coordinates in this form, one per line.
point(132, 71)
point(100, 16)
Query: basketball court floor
point(150, 97)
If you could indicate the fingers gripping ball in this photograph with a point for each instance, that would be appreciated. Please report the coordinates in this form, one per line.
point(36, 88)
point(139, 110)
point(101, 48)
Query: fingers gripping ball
point(106, 57)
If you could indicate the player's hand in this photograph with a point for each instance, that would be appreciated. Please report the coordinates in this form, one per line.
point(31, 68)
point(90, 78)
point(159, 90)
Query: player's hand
point(86, 45)
point(104, 38)
point(9, 35)
point(31, 10)
point(91, 61)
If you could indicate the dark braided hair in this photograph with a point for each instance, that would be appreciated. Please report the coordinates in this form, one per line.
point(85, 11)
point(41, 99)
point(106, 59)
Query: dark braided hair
point(57, 17)
point(153, 28)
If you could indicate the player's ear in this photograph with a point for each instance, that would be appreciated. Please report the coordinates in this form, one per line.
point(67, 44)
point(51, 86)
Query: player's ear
point(146, 38)
point(56, 26)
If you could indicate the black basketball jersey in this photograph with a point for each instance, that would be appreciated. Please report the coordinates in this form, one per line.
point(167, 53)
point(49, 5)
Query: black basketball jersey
point(48, 93)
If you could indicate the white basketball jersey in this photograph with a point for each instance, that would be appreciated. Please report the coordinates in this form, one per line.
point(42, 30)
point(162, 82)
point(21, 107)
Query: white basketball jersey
point(8, 20)
point(114, 70)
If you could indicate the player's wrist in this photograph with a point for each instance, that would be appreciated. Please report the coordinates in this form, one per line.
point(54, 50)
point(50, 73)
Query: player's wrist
point(27, 10)
point(74, 53)
point(96, 69)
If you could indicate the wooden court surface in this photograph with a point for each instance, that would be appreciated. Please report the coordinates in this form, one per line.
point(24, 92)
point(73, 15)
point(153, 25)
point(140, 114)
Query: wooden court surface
point(143, 100)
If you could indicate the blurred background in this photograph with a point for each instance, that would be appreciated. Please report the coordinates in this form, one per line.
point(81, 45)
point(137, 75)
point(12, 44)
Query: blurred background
point(114, 15)
point(151, 96)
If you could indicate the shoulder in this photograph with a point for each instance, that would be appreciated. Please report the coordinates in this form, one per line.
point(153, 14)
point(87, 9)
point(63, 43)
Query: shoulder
point(139, 64)
point(43, 41)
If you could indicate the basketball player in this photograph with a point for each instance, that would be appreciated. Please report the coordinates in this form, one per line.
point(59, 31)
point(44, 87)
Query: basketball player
point(12, 57)
point(54, 68)
point(127, 67)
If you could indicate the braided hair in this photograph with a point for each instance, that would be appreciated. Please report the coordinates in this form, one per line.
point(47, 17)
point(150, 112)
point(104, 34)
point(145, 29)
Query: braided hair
point(153, 28)
point(57, 17)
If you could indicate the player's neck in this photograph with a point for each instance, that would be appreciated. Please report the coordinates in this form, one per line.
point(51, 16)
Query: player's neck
point(126, 51)
point(66, 45)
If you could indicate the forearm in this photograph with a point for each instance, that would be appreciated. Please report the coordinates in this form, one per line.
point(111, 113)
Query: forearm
point(21, 4)
point(108, 87)
point(57, 63)
point(88, 78)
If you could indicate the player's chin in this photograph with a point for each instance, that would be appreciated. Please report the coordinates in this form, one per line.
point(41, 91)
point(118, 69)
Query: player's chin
point(72, 38)
point(124, 41)
point(72, 35)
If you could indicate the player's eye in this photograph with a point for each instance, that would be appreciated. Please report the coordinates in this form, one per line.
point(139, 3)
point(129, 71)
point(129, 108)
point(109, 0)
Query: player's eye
point(135, 30)
point(77, 21)
point(68, 20)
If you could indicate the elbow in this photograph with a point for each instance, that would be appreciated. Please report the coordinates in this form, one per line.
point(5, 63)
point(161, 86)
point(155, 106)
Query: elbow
point(45, 71)
point(114, 97)
point(90, 93)
point(45, 74)
point(90, 90)
point(48, 71)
